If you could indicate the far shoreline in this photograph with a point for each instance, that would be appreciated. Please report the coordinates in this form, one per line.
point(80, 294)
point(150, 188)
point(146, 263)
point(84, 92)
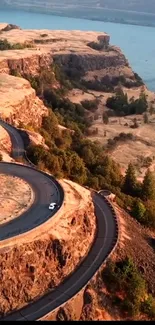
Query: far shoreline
point(121, 21)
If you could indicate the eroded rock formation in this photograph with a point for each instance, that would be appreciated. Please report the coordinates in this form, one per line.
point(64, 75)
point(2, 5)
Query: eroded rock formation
point(39, 263)
point(18, 102)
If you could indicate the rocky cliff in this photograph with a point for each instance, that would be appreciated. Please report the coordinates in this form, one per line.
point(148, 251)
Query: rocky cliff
point(5, 142)
point(82, 55)
point(39, 262)
point(18, 102)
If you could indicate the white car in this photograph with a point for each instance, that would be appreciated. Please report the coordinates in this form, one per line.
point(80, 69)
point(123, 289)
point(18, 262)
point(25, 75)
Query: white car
point(52, 206)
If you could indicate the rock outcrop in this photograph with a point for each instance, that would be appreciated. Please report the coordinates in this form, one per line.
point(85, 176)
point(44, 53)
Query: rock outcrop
point(18, 102)
point(39, 262)
point(5, 141)
point(9, 27)
point(82, 55)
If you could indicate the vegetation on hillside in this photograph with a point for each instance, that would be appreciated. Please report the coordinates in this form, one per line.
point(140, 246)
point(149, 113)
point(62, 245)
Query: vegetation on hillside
point(128, 288)
point(5, 45)
point(71, 155)
point(122, 106)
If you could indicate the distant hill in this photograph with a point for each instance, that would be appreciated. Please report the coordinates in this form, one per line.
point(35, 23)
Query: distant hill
point(138, 12)
point(133, 5)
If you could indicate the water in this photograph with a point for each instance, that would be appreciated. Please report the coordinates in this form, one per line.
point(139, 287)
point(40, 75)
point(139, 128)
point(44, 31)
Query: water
point(137, 42)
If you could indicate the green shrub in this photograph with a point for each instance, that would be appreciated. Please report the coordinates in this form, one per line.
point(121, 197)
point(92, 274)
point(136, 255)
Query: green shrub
point(123, 276)
point(138, 210)
point(120, 104)
point(148, 307)
point(5, 45)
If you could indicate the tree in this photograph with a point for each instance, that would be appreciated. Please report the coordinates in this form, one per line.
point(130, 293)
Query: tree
point(90, 105)
point(130, 181)
point(133, 285)
point(76, 168)
point(146, 118)
point(141, 104)
point(138, 210)
point(151, 110)
point(93, 182)
point(135, 292)
point(148, 186)
point(88, 156)
point(64, 141)
point(148, 307)
point(119, 102)
point(4, 45)
point(50, 124)
point(36, 153)
point(150, 214)
point(135, 124)
point(105, 118)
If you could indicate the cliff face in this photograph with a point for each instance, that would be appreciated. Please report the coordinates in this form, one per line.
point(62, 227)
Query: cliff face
point(91, 61)
point(18, 102)
point(32, 267)
point(84, 55)
point(98, 70)
point(24, 62)
point(5, 142)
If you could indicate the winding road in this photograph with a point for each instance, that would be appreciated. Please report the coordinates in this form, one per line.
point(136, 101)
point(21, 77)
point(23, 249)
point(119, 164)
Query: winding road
point(44, 186)
point(46, 190)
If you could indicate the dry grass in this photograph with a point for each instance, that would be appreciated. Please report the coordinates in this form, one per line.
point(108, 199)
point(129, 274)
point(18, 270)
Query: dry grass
point(75, 39)
point(15, 197)
point(128, 151)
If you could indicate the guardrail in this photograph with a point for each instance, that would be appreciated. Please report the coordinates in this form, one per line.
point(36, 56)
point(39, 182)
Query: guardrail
point(28, 160)
point(111, 251)
point(117, 224)
point(60, 188)
point(117, 221)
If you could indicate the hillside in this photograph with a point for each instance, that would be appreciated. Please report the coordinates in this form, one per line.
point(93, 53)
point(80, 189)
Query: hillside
point(86, 59)
point(85, 55)
point(79, 108)
point(43, 257)
point(100, 300)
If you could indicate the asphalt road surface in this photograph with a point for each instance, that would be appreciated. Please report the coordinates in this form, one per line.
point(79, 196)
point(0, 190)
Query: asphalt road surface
point(103, 244)
point(17, 142)
point(46, 190)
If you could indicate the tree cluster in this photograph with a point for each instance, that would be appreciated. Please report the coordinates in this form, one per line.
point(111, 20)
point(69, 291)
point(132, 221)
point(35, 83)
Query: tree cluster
point(124, 277)
point(122, 106)
point(71, 155)
point(5, 45)
point(142, 203)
